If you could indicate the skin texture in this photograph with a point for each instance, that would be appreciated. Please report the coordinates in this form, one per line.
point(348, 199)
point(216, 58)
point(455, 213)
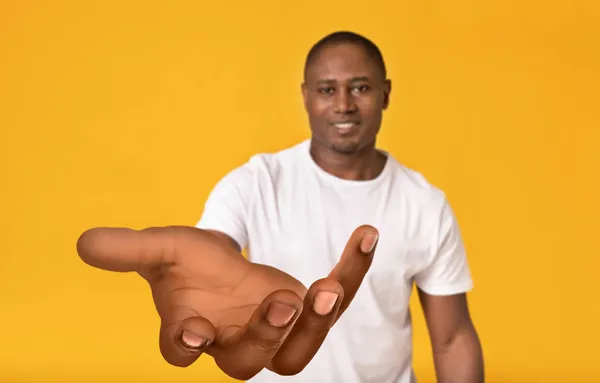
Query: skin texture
point(345, 84)
point(211, 300)
point(457, 352)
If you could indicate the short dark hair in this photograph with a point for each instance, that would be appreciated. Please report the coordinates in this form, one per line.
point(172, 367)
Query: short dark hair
point(343, 37)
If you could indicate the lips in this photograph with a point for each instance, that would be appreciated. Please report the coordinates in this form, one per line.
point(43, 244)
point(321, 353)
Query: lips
point(345, 126)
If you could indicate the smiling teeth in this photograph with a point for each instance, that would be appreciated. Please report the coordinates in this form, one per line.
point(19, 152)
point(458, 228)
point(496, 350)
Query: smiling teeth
point(344, 125)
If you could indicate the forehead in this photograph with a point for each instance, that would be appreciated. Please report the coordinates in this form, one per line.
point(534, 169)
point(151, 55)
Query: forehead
point(341, 62)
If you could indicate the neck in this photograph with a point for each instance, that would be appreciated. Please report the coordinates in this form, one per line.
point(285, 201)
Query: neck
point(362, 165)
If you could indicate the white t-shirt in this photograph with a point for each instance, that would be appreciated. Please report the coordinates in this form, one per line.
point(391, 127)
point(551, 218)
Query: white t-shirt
point(290, 214)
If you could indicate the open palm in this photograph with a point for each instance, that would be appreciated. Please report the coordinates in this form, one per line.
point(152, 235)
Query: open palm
point(212, 300)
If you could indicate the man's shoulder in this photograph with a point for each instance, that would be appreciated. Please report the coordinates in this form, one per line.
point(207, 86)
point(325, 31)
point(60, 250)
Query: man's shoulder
point(271, 163)
point(414, 184)
point(416, 195)
point(280, 156)
point(264, 168)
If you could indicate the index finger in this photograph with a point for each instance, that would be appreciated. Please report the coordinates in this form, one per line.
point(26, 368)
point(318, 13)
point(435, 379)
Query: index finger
point(124, 250)
point(354, 263)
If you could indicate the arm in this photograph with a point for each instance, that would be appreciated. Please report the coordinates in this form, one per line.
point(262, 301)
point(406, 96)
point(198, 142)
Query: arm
point(442, 287)
point(225, 209)
point(457, 352)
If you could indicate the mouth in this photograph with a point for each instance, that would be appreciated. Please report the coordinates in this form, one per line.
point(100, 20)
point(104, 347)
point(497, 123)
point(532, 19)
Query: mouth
point(345, 127)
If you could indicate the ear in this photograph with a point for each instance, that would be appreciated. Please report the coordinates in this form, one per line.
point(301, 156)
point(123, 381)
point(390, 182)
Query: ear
point(387, 89)
point(304, 89)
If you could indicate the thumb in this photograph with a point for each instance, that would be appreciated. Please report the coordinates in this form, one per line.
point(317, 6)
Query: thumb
point(124, 250)
point(185, 336)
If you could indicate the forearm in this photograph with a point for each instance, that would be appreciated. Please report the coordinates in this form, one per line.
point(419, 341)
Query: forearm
point(460, 360)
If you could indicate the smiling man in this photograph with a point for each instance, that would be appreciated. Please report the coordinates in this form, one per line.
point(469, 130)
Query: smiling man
point(295, 209)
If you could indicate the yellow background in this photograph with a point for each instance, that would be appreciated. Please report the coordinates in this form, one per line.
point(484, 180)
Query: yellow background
point(127, 113)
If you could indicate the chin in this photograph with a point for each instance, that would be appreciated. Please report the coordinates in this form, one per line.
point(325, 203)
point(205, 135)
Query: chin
point(345, 147)
point(341, 145)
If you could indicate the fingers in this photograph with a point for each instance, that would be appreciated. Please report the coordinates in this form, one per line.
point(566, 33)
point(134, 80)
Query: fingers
point(355, 262)
point(321, 305)
point(246, 352)
point(325, 302)
point(185, 337)
point(122, 249)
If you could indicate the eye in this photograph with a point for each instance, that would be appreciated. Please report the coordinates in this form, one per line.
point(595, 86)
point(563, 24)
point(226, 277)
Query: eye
point(326, 90)
point(360, 88)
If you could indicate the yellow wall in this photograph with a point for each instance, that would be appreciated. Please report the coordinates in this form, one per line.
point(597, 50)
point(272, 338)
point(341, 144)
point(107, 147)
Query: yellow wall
point(127, 113)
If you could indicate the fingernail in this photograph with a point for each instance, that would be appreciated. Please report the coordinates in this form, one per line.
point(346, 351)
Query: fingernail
point(279, 314)
point(192, 340)
point(324, 302)
point(368, 243)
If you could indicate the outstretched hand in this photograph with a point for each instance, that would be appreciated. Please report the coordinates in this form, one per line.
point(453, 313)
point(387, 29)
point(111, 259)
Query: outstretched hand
point(212, 300)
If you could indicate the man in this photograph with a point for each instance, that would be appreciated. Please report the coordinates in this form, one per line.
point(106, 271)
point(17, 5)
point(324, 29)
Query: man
point(294, 210)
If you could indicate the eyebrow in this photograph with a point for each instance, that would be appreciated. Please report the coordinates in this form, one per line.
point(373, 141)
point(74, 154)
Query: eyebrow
point(353, 79)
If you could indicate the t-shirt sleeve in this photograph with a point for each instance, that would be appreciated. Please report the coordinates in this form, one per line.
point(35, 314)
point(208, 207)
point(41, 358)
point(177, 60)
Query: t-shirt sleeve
point(226, 207)
point(448, 271)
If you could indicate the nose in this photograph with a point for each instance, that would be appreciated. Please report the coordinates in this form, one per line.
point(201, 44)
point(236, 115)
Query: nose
point(344, 102)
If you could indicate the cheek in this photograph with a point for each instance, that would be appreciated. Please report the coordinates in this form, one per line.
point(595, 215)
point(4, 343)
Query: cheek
point(370, 110)
point(318, 109)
